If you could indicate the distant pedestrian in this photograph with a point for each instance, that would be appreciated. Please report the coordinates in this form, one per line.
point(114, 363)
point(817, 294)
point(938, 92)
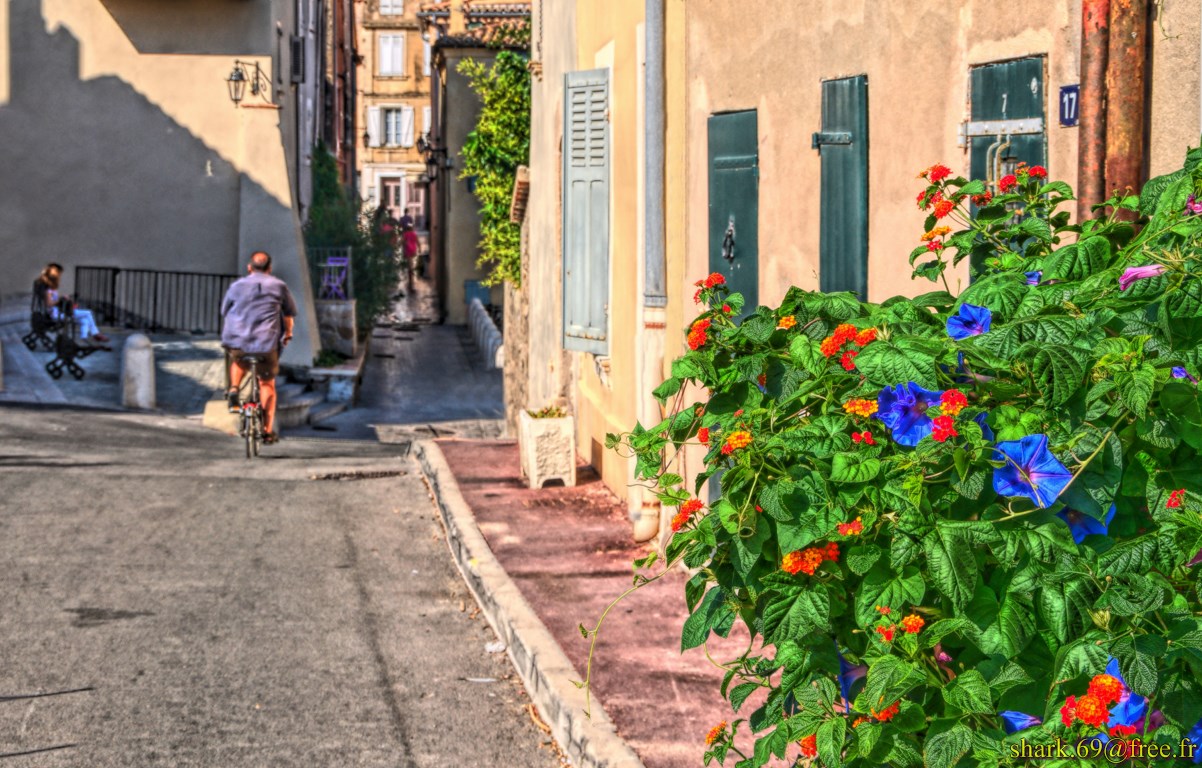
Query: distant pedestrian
point(409, 248)
point(46, 286)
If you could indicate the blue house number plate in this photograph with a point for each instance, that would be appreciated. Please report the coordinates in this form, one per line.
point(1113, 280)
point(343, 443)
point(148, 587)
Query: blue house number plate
point(1070, 105)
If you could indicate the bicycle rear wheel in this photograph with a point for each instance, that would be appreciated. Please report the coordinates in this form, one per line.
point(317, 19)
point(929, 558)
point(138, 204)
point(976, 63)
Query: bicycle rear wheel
point(254, 433)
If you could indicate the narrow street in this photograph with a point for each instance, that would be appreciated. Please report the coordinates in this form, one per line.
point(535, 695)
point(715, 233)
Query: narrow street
point(300, 610)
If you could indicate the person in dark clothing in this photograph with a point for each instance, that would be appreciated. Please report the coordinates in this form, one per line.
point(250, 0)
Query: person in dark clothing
point(259, 314)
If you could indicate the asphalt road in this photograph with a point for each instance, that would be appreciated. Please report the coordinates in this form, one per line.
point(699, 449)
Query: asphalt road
point(281, 612)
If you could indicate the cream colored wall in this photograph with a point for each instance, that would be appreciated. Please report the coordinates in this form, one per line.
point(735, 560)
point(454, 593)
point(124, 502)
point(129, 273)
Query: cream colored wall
point(607, 36)
point(1176, 83)
point(917, 60)
point(4, 52)
point(129, 149)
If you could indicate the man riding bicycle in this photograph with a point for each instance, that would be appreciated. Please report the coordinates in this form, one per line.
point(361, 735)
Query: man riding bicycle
point(259, 313)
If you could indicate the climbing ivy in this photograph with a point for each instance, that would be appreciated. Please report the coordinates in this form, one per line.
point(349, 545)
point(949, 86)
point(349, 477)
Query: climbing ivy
point(492, 154)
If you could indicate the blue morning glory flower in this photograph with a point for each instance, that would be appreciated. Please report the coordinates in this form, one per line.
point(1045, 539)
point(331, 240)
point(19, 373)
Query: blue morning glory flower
point(971, 320)
point(1131, 707)
point(1083, 525)
point(1014, 722)
point(1195, 737)
point(1031, 470)
point(903, 409)
point(986, 430)
point(848, 675)
point(1180, 373)
point(1033, 277)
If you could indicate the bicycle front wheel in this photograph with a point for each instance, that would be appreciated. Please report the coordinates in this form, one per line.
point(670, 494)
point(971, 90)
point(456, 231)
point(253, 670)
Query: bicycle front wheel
point(252, 432)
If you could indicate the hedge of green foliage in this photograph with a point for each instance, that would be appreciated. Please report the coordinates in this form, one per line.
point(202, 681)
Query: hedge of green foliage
point(955, 525)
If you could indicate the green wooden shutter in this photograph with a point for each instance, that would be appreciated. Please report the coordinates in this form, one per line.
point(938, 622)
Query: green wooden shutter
point(586, 211)
point(1008, 95)
point(734, 203)
point(843, 215)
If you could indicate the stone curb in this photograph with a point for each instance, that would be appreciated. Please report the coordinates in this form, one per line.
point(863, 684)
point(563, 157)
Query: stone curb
point(544, 667)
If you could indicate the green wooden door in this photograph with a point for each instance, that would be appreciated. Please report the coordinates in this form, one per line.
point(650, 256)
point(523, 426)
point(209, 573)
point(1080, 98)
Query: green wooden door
point(734, 207)
point(843, 217)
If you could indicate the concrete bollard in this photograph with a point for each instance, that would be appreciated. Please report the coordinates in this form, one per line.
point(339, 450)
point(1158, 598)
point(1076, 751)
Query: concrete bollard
point(137, 373)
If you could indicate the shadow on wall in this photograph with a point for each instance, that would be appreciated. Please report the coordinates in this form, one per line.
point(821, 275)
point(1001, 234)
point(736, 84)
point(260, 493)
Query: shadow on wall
point(203, 27)
point(96, 174)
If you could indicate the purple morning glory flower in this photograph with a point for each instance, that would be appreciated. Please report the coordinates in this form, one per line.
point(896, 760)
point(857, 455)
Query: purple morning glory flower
point(848, 675)
point(1031, 470)
point(903, 409)
point(1131, 274)
point(1083, 525)
point(1180, 373)
point(1033, 277)
point(1191, 206)
point(971, 320)
point(1014, 721)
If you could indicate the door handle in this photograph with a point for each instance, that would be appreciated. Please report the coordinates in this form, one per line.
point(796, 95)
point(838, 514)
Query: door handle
point(728, 241)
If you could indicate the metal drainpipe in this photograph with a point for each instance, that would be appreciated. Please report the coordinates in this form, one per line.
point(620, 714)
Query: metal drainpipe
point(1125, 95)
point(1091, 154)
point(651, 332)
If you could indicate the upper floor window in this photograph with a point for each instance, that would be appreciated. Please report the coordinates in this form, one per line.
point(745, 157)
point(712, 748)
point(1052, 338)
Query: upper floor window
point(398, 126)
point(392, 7)
point(392, 55)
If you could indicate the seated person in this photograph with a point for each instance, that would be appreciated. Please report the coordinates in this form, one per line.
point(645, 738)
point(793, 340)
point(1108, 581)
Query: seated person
point(46, 286)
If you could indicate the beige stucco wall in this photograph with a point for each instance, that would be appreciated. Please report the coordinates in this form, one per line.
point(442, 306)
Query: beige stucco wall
point(125, 149)
point(550, 369)
point(463, 209)
point(1176, 83)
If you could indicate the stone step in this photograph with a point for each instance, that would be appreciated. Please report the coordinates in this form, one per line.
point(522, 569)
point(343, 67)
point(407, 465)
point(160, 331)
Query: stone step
point(294, 411)
point(288, 391)
point(326, 410)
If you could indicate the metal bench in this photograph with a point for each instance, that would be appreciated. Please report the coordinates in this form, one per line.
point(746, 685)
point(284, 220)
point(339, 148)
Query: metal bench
point(67, 347)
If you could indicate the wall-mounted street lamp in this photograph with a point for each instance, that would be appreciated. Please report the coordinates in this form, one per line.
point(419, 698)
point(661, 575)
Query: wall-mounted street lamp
point(435, 156)
point(247, 72)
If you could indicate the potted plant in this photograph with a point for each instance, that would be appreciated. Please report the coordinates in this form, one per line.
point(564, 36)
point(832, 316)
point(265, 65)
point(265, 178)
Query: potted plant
point(547, 442)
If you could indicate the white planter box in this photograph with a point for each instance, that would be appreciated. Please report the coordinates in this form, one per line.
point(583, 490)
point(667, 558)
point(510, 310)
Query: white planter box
point(548, 449)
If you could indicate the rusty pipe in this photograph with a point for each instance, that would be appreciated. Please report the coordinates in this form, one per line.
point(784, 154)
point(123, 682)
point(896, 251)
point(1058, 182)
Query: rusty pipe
point(1125, 95)
point(1091, 153)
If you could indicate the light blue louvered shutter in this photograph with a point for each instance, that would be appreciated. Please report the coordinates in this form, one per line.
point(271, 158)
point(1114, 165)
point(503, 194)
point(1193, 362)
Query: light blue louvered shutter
point(586, 212)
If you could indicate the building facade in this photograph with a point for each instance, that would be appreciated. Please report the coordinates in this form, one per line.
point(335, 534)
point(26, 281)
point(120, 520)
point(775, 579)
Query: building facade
point(130, 152)
point(662, 151)
point(394, 74)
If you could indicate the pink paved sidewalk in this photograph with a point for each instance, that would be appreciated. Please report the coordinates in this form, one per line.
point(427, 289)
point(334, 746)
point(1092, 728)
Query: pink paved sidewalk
point(569, 551)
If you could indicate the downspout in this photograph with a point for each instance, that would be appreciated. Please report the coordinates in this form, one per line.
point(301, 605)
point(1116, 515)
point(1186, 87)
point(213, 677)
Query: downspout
point(1125, 96)
point(1091, 154)
point(655, 299)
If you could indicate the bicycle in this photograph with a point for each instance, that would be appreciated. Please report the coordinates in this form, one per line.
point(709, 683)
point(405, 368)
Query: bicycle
point(250, 410)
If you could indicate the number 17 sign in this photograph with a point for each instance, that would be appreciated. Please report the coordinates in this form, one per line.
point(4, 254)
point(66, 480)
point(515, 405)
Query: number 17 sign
point(1070, 105)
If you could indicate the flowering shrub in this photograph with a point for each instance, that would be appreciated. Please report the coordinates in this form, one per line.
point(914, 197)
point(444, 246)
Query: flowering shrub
point(954, 522)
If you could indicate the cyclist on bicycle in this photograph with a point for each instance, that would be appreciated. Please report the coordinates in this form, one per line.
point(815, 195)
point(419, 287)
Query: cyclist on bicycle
point(259, 313)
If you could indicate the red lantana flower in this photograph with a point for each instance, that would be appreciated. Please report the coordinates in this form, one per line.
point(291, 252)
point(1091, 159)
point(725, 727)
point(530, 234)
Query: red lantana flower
point(848, 360)
point(829, 346)
point(943, 208)
point(886, 633)
point(809, 745)
point(937, 173)
point(935, 246)
point(886, 714)
point(982, 199)
point(952, 402)
point(1122, 730)
point(1038, 172)
point(863, 437)
point(944, 428)
point(864, 337)
point(703, 435)
point(913, 624)
point(1007, 182)
point(715, 278)
point(884, 610)
point(922, 200)
point(854, 528)
point(1175, 499)
point(844, 332)
point(686, 511)
point(807, 561)
point(1069, 711)
point(697, 334)
point(715, 733)
point(1092, 711)
point(726, 308)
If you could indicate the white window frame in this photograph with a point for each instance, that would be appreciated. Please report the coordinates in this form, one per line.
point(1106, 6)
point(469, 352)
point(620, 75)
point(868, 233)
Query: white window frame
point(426, 55)
point(427, 119)
point(397, 128)
point(392, 7)
point(391, 55)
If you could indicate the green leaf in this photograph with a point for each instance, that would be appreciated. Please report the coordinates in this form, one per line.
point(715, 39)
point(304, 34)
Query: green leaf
point(1008, 677)
point(935, 633)
point(854, 468)
point(944, 750)
point(807, 353)
point(1035, 227)
point(758, 328)
point(1079, 260)
point(952, 562)
point(1138, 662)
point(1060, 372)
point(667, 389)
point(740, 693)
point(831, 735)
point(889, 679)
point(969, 693)
point(697, 627)
point(861, 559)
point(1063, 602)
point(791, 614)
point(1136, 387)
point(885, 364)
point(882, 587)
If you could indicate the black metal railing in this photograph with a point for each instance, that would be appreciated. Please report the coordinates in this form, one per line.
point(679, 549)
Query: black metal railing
point(153, 300)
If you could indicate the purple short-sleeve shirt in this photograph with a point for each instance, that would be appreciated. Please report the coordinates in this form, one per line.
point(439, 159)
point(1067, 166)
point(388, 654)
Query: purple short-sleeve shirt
point(252, 309)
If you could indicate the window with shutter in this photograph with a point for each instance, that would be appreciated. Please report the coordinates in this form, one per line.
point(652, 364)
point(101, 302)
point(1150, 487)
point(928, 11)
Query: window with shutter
point(426, 117)
point(734, 202)
point(393, 126)
point(373, 127)
point(392, 7)
point(426, 59)
point(843, 208)
point(586, 211)
point(407, 127)
point(392, 55)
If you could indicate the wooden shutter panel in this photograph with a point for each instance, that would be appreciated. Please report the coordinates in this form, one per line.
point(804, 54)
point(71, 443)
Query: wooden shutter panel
point(407, 126)
point(426, 116)
point(843, 216)
point(586, 211)
point(373, 126)
point(734, 203)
